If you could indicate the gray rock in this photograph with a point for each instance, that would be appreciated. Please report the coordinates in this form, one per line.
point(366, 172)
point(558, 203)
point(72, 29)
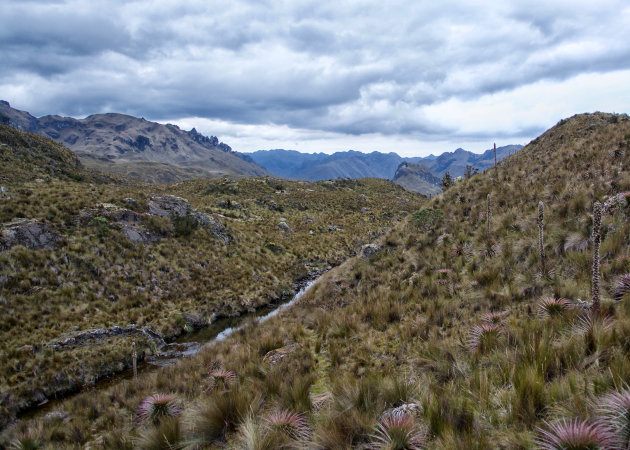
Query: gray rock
point(116, 331)
point(284, 227)
point(135, 234)
point(126, 216)
point(167, 205)
point(130, 201)
point(29, 233)
point(370, 250)
point(57, 416)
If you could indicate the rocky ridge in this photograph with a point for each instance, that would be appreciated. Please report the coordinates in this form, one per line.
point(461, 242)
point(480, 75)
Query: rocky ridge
point(105, 141)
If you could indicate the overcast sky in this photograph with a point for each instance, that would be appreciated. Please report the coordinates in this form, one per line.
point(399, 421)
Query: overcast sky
point(414, 77)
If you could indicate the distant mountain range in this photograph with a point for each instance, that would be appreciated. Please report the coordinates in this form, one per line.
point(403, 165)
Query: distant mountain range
point(353, 164)
point(143, 150)
point(136, 147)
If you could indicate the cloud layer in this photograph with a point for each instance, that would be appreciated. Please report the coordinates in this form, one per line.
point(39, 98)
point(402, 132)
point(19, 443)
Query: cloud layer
point(321, 75)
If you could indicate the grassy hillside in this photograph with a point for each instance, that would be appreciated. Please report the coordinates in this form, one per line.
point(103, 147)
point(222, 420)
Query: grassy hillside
point(442, 339)
point(93, 275)
point(27, 156)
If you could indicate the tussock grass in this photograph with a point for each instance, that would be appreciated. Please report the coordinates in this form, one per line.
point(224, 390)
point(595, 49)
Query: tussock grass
point(392, 329)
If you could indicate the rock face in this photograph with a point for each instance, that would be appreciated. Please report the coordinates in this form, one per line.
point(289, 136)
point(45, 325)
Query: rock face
point(170, 205)
point(29, 233)
point(417, 178)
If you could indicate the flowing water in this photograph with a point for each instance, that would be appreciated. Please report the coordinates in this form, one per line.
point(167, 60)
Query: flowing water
point(186, 345)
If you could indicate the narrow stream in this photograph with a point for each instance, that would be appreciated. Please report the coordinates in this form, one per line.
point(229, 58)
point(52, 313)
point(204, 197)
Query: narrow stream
point(187, 345)
point(190, 344)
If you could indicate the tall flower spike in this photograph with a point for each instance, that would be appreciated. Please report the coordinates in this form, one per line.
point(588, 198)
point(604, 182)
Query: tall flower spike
point(488, 217)
point(541, 244)
point(597, 221)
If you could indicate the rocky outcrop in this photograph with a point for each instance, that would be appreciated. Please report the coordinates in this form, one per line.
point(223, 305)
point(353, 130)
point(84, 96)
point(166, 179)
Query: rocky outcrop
point(131, 222)
point(417, 178)
point(172, 206)
point(116, 331)
point(29, 233)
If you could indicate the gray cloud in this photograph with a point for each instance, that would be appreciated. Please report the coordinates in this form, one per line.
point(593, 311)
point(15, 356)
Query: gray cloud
point(344, 67)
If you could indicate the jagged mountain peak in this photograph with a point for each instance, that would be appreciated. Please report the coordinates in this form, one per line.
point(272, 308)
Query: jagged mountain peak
point(115, 142)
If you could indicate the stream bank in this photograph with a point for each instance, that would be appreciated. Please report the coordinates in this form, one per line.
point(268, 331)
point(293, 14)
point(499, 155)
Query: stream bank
point(185, 345)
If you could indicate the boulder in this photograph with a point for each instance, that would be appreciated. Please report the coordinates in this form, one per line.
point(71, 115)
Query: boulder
point(284, 227)
point(273, 357)
point(29, 233)
point(130, 201)
point(370, 250)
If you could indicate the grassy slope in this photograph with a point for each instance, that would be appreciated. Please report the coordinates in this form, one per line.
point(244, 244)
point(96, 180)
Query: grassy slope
point(27, 156)
point(98, 278)
point(376, 333)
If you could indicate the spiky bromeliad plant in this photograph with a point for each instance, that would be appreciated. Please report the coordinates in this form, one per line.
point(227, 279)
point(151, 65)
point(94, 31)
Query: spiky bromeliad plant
point(614, 414)
point(292, 424)
point(483, 337)
point(399, 431)
point(223, 378)
point(157, 406)
point(495, 318)
point(574, 434)
point(622, 287)
point(550, 307)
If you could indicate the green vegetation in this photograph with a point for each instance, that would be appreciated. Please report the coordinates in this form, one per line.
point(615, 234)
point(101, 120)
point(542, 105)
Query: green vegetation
point(439, 339)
